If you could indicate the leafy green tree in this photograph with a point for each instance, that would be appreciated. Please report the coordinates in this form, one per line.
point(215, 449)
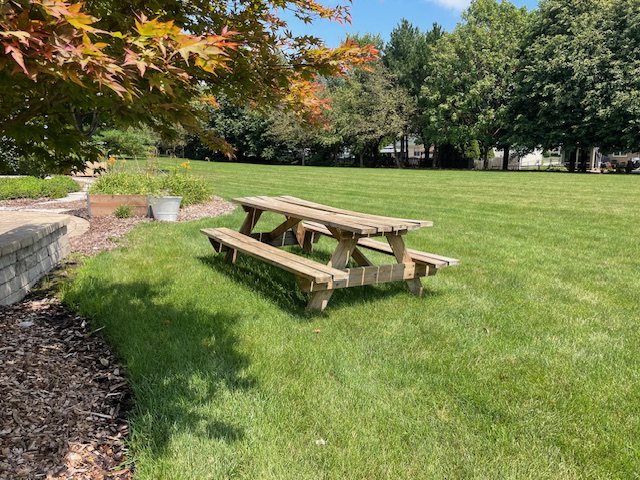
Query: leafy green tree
point(242, 128)
point(368, 109)
point(578, 87)
point(565, 73)
point(134, 142)
point(291, 134)
point(620, 128)
point(466, 94)
point(408, 56)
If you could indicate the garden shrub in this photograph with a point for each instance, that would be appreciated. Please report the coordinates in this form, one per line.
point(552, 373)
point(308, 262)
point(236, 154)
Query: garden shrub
point(59, 186)
point(153, 181)
point(191, 189)
point(125, 182)
point(32, 187)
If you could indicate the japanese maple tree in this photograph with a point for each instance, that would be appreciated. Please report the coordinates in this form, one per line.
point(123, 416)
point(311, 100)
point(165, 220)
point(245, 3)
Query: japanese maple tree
point(66, 67)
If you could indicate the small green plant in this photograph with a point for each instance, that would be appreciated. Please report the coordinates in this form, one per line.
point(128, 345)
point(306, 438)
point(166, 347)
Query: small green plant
point(123, 211)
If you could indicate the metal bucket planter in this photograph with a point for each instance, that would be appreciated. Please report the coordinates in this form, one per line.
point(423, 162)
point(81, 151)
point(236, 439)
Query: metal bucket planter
point(164, 208)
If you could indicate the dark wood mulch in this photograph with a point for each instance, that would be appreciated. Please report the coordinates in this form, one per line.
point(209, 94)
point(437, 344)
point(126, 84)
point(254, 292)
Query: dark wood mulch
point(63, 396)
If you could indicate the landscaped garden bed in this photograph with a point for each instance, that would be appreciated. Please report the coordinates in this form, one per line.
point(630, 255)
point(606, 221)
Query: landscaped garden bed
point(72, 400)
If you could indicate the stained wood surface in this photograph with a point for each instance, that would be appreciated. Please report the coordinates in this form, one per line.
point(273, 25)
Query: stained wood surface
point(305, 221)
point(371, 275)
point(361, 224)
point(314, 271)
point(437, 261)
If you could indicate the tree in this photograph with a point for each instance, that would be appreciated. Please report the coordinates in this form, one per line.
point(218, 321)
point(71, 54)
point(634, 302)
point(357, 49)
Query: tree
point(578, 87)
point(368, 108)
point(67, 67)
point(241, 127)
point(408, 56)
point(130, 141)
point(473, 76)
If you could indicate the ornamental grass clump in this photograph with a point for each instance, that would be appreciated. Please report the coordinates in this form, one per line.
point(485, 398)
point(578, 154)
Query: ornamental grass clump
point(179, 182)
point(120, 179)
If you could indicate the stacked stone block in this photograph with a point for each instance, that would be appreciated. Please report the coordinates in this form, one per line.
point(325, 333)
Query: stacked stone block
point(27, 253)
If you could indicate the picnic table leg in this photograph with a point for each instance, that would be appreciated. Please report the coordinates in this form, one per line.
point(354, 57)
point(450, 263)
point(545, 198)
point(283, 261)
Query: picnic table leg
point(253, 215)
point(402, 256)
point(338, 260)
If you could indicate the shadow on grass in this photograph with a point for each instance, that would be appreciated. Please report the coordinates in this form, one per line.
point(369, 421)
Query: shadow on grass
point(180, 358)
point(279, 286)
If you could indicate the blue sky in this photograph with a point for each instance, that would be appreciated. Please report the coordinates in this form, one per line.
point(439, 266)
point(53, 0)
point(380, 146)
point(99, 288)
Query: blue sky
point(382, 16)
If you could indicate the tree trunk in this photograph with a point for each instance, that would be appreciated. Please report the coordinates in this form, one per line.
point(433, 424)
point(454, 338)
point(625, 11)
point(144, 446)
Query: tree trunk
point(485, 157)
point(361, 155)
point(395, 153)
point(584, 152)
point(304, 154)
point(505, 158)
point(572, 160)
point(405, 159)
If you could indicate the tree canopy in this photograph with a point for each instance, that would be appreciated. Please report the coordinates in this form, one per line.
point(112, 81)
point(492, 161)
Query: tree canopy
point(466, 96)
point(579, 82)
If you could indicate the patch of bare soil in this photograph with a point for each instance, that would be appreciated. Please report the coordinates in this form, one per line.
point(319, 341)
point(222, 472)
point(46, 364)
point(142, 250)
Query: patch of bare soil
point(63, 396)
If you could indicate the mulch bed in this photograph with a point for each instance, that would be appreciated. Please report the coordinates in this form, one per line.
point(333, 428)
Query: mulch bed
point(63, 397)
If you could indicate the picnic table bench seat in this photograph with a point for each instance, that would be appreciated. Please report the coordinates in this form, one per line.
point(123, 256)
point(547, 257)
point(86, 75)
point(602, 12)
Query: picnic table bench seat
point(434, 261)
point(313, 272)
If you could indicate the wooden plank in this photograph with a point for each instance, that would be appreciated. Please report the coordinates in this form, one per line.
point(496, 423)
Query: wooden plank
point(315, 271)
point(397, 223)
point(382, 224)
point(284, 240)
point(276, 257)
point(254, 245)
point(370, 275)
point(300, 234)
point(437, 261)
point(253, 215)
point(283, 227)
point(351, 223)
point(343, 222)
point(360, 258)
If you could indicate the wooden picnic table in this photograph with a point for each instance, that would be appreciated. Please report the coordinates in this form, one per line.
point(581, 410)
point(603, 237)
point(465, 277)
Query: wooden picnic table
point(305, 222)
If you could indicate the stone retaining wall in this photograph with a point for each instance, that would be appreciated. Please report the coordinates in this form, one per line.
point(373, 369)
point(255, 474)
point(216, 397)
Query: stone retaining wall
point(28, 251)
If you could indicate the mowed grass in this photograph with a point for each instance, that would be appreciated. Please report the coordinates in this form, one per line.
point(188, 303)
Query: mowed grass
point(523, 362)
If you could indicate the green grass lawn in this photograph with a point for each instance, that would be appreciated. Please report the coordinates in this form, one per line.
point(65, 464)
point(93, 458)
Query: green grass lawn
point(523, 362)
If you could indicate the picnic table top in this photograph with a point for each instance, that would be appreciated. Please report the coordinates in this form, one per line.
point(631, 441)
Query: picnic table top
point(346, 220)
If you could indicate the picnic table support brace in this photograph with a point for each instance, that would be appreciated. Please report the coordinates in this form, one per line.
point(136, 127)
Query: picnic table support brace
point(402, 256)
point(253, 215)
point(357, 255)
point(338, 260)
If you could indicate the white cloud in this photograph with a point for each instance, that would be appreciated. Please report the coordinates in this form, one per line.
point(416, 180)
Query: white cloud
point(457, 5)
